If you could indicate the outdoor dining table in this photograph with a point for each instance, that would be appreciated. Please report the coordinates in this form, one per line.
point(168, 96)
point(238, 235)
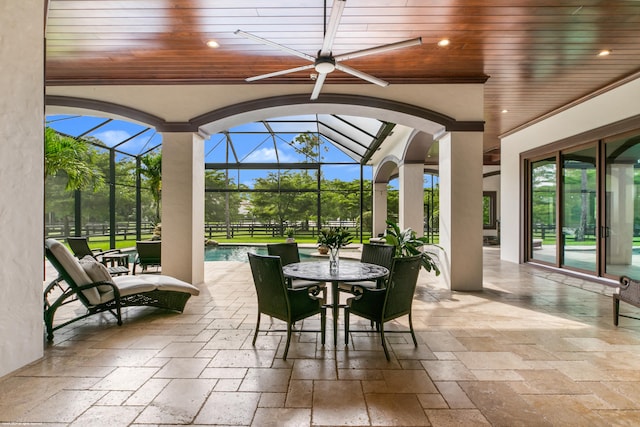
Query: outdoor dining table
point(348, 271)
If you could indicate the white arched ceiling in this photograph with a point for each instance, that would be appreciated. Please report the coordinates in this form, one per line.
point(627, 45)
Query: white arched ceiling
point(386, 169)
point(417, 146)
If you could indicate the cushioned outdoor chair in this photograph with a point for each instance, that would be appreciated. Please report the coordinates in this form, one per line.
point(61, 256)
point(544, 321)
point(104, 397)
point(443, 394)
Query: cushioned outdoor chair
point(149, 255)
point(90, 283)
point(629, 292)
point(377, 254)
point(389, 303)
point(289, 253)
point(277, 300)
point(81, 249)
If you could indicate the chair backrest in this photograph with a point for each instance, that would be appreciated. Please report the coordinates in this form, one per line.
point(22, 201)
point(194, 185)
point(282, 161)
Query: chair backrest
point(288, 252)
point(401, 286)
point(271, 288)
point(70, 270)
point(378, 254)
point(80, 246)
point(149, 252)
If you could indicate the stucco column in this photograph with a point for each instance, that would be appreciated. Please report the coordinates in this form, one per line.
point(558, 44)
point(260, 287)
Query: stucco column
point(461, 209)
point(411, 198)
point(21, 184)
point(183, 206)
point(379, 208)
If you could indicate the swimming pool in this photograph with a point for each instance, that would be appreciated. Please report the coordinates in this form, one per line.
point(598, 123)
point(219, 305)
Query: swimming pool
point(239, 252)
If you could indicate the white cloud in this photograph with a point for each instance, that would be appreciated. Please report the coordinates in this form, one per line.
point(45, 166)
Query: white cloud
point(267, 155)
point(112, 137)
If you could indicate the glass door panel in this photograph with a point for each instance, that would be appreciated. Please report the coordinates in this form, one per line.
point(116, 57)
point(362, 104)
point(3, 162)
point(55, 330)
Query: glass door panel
point(543, 244)
point(621, 231)
point(579, 209)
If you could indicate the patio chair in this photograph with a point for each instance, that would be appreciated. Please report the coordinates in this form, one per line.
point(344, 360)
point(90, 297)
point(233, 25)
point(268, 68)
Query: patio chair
point(277, 300)
point(629, 292)
point(149, 255)
point(393, 301)
point(289, 253)
point(81, 249)
point(89, 282)
point(372, 253)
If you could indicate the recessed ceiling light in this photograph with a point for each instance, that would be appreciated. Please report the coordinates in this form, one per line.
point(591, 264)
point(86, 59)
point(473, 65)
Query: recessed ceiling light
point(213, 44)
point(605, 52)
point(443, 42)
point(505, 111)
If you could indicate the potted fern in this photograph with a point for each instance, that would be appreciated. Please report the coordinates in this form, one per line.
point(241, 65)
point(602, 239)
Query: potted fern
point(407, 244)
point(290, 232)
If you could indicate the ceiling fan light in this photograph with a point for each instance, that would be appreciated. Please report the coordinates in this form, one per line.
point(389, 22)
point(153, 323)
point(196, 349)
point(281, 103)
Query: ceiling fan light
point(325, 65)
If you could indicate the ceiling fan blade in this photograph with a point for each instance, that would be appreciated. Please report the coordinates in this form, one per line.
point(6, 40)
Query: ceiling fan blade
point(332, 26)
point(379, 49)
point(363, 76)
point(273, 44)
point(318, 86)
point(279, 73)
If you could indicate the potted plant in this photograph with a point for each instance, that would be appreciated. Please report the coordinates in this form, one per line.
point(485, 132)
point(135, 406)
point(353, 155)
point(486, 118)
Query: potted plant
point(334, 238)
point(290, 233)
point(407, 244)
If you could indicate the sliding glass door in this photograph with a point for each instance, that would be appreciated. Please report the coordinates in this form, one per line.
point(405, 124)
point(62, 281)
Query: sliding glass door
point(542, 227)
point(621, 231)
point(584, 207)
point(579, 209)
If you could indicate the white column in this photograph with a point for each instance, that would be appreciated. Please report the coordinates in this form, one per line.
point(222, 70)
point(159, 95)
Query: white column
point(461, 210)
point(379, 208)
point(21, 184)
point(620, 199)
point(183, 206)
point(411, 199)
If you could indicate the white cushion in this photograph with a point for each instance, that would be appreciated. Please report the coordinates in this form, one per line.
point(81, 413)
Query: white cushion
point(129, 285)
point(97, 272)
point(73, 268)
point(168, 283)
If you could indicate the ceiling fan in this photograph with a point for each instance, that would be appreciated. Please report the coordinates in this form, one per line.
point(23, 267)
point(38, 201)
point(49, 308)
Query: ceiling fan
point(325, 63)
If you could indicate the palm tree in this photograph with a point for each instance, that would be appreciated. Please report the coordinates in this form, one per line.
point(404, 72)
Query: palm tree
point(152, 171)
point(72, 157)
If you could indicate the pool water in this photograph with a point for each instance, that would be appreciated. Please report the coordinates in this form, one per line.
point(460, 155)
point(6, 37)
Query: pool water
point(239, 252)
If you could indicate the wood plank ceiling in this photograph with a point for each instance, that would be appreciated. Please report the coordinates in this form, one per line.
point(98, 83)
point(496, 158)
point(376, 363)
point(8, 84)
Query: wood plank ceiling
point(537, 55)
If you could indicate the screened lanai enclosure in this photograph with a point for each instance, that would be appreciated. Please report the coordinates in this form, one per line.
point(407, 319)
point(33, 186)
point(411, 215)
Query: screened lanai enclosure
point(261, 179)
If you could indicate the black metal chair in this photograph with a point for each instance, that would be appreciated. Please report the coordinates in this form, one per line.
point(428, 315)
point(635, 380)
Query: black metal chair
point(80, 248)
point(149, 255)
point(372, 254)
point(389, 303)
point(289, 253)
point(277, 300)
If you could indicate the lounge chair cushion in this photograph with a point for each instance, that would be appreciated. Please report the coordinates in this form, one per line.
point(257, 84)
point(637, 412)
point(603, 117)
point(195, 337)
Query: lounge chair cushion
point(74, 269)
point(97, 272)
point(168, 283)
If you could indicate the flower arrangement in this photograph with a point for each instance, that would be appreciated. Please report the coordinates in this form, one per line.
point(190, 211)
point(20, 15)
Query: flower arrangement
point(334, 237)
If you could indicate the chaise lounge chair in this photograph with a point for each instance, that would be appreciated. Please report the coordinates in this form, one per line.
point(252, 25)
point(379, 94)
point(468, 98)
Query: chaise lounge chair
point(89, 282)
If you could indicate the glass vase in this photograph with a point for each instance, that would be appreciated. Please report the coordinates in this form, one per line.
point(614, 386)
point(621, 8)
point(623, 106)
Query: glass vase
point(334, 259)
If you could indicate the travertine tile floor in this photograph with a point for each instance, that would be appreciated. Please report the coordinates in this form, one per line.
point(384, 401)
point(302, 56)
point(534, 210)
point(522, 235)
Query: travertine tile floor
point(533, 349)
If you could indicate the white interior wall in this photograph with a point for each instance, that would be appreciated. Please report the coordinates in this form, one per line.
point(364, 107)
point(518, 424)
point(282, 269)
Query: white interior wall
point(610, 107)
point(21, 189)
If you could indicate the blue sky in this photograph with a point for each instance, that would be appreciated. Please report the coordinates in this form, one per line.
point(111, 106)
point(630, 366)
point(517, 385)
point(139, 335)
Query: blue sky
point(249, 147)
